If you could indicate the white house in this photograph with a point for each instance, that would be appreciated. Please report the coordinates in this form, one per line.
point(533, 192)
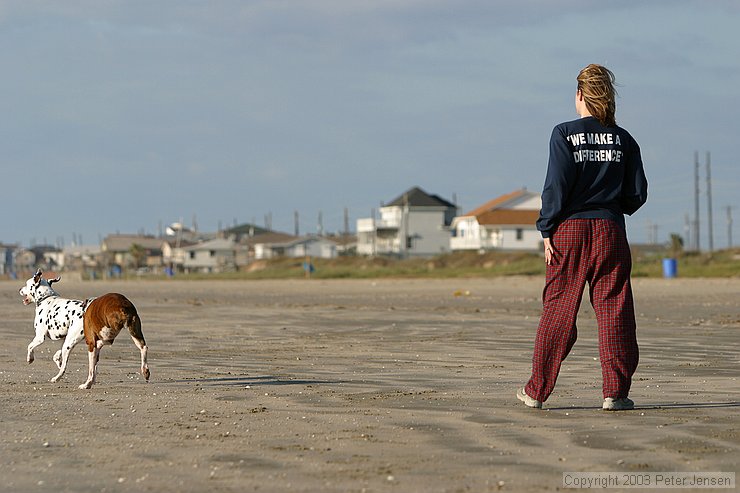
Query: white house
point(174, 252)
point(414, 224)
point(504, 223)
point(218, 255)
point(80, 257)
point(311, 246)
point(265, 244)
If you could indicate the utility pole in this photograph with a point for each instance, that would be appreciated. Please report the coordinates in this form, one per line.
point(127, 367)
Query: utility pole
point(405, 219)
point(729, 226)
point(346, 222)
point(375, 232)
point(320, 226)
point(649, 228)
point(687, 230)
point(695, 243)
point(295, 223)
point(652, 233)
point(709, 206)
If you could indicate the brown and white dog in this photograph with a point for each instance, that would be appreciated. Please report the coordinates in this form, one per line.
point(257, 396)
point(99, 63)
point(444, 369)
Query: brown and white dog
point(104, 318)
point(56, 318)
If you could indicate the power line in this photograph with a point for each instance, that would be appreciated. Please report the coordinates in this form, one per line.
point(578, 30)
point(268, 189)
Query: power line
point(729, 226)
point(695, 244)
point(709, 206)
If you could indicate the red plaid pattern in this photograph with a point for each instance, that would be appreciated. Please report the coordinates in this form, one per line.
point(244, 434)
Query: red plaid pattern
point(593, 251)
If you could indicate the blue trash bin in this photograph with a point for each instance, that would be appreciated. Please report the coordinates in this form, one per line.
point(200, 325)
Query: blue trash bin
point(670, 268)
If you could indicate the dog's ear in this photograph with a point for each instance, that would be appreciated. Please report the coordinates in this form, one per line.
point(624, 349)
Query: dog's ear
point(56, 279)
point(37, 276)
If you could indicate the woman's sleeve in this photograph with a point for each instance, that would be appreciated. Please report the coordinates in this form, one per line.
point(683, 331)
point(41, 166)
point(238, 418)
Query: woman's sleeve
point(635, 186)
point(561, 175)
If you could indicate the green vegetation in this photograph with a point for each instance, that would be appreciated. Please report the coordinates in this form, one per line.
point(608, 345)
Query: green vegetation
point(724, 263)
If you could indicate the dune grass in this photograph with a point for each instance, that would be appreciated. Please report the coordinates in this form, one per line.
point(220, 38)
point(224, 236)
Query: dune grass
point(724, 263)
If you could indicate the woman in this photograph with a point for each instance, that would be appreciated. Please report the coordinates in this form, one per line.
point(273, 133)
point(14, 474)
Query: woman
point(594, 177)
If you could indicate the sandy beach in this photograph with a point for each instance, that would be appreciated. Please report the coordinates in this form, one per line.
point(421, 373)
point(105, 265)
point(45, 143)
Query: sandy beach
point(363, 385)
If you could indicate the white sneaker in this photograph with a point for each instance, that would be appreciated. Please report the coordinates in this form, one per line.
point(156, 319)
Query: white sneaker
point(623, 404)
point(528, 401)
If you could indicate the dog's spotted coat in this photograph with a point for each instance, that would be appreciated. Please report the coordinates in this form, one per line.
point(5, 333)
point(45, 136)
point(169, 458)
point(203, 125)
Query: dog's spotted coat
point(56, 318)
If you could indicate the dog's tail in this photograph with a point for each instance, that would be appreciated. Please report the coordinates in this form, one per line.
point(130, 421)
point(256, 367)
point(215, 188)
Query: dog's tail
point(134, 327)
point(86, 303)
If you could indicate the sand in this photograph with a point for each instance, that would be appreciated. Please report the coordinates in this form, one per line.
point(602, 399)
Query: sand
point(363, 385)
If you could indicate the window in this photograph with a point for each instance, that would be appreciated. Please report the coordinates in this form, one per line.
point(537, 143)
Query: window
point(519, 234)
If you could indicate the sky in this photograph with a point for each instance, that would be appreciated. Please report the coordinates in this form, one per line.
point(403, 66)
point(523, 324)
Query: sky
point(126, 116)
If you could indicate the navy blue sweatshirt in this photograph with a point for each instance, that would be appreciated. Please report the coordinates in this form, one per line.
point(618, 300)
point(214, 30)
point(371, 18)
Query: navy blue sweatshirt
point(594, 172)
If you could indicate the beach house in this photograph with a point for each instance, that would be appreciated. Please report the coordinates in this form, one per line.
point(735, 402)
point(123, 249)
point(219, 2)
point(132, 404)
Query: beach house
point(415, 223)
point(504, 223)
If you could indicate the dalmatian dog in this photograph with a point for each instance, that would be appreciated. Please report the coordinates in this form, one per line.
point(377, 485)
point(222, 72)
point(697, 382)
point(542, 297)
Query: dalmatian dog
point(56, 318)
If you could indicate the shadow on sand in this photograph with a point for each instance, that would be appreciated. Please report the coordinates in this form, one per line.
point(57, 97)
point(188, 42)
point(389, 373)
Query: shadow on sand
point(642, 407)
point(262, 380)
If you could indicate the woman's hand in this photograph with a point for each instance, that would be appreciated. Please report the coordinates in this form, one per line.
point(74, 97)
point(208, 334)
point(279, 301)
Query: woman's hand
point(549, 252)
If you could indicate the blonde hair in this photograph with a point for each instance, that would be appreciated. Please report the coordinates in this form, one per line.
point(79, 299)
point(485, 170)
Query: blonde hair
point(596, 84)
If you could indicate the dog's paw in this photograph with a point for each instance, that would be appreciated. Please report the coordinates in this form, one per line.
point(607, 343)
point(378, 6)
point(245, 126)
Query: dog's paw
point(55, 379)
point(85, 386)
point(29, 359)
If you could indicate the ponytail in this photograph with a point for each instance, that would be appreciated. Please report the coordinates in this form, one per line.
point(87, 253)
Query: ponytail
point(596, 84)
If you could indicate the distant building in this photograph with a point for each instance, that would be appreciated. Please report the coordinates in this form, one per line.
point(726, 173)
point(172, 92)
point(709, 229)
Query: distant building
point(81, 257)
point(268, 244)
point(244, 231)
point(295, 247)
point(48, 258)
point(181, 232)
point(174, 252)
point(7, 259)
point(24, 260)
point(121, 249)
point(415, 223)
point(504, 223)
point(217, 255)
point(346, 243)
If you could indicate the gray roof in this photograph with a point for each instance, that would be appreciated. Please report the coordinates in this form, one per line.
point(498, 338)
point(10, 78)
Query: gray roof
point(416, 197)
point(122, 243)
point(220, 244)
point(270, 237)
point(246, 230)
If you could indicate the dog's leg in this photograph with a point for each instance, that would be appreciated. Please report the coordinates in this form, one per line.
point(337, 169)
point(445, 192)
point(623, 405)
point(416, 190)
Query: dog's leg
point(143, 348)
point(74, 336)
point(36, 342)
point(134, 330)
point(93, 357)
point(58, 358)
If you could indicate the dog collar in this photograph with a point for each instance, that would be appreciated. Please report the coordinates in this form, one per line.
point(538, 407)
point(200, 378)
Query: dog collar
point(50, 295)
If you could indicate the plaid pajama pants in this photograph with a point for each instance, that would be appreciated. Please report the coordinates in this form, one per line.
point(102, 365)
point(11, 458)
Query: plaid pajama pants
point(593, 251)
